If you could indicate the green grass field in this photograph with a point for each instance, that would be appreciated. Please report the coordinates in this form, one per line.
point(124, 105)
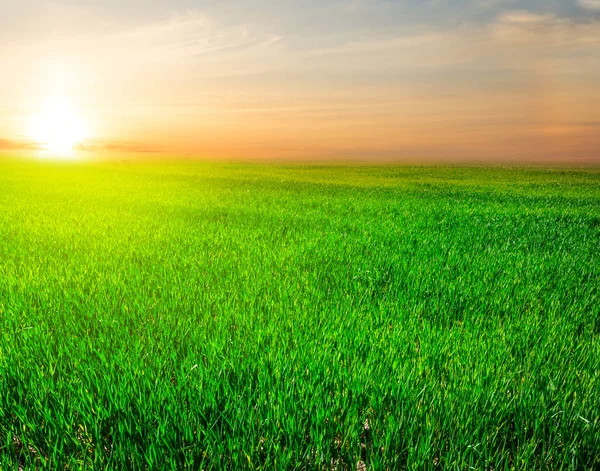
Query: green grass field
point(193, 316)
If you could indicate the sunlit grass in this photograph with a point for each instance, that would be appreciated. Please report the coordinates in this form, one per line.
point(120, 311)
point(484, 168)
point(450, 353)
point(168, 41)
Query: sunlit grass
point(200, 316)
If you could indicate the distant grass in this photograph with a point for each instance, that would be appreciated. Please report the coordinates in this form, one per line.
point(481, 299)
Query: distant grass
point(202, 316)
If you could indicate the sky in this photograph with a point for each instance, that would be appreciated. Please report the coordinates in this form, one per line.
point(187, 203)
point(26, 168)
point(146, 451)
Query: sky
point(448, 80)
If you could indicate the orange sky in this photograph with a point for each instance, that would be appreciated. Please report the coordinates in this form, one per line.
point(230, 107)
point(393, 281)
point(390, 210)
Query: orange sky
point(453, 81)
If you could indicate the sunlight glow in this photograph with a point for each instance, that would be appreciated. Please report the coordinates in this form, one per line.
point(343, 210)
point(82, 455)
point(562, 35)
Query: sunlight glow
point(58, 129)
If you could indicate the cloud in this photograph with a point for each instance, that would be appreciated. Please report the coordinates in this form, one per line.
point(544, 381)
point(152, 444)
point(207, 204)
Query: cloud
point(590, 4)
point(172, 47)
point(9, 144)
point(547, 30)
point(490, 47)
point(188, 35)
point(118, 147)
point(182, 37)
point(124, 147)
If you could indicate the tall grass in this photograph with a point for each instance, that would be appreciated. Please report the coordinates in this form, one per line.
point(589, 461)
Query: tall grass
point(203, 316)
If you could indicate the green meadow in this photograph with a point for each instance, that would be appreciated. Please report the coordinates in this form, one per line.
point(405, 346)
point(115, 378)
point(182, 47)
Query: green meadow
point(203, 316)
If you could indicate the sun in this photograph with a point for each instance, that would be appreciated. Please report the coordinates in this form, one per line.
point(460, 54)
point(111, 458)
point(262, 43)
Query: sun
point(58, 128)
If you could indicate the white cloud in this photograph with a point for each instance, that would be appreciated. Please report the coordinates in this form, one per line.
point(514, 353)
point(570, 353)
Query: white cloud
point(548, 31)
point(590, 4)
point(183, 36)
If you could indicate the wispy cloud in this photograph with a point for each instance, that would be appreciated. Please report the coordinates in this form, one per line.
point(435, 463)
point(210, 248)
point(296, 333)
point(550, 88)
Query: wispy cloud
point(186, 36)
point(548, 30)
point(10, 144)
point(590, 4)
point(189, 35)
point(118, 147)
point(156, 48)
point(88, 146)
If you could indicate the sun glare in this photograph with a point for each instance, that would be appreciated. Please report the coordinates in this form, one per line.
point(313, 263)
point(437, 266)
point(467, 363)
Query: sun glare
point(58, 129)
